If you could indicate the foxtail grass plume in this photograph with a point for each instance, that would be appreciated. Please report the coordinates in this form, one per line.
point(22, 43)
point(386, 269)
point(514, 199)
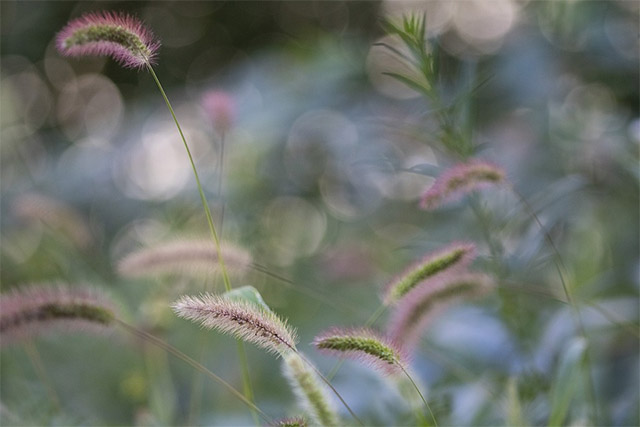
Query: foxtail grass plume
point(454, 257)
point(118, 35)
point(194, 258)
point(37, 309)
point(363, 345)
point(243, 320)
point(55, 214)
point(425, 302)
point(220, 109)
point(311, 394)
point(459, 180)
point(290, 422)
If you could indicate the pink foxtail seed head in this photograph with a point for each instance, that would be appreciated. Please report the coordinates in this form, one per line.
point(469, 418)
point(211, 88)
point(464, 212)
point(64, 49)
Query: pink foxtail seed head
point(243, 320)
point(37, 309)
point(459, 180)
point(453, 257)
point(364, 345)
point(118, 35)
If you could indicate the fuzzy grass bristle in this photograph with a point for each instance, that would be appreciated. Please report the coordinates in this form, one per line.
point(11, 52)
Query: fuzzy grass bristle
point(194, 258)
point(290, 422)
point(422, 304)
point(459, 180)
point(36, 309)
point(311, 394)
point(243, 320)
point(363, 345)
point(455, 256)
point(118, 35)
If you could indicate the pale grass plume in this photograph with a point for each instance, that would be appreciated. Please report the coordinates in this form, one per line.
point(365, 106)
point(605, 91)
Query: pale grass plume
point(310, 392)
point(365, 346)
point(33, 310)
point(460, 180)
point(454, 257)
point(56, 214)
point(193, 258)
point(424, 303)
point(243, 320)
point(118, 35)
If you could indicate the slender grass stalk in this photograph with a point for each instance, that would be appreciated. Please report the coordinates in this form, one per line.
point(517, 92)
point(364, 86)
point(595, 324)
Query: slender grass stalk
point(248, 389)
point(193, 363)
point(426, 404)
point(561, 268)
point(35, 359)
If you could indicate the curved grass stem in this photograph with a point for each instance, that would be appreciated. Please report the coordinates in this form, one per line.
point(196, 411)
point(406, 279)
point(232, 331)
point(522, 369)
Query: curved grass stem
point(426, 404)
point(561, 268)
point(193, 363)
point(225, 276)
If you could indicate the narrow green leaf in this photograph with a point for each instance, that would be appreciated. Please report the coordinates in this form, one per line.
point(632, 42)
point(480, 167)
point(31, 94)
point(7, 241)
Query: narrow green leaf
point(567, 380)
point(514, 407)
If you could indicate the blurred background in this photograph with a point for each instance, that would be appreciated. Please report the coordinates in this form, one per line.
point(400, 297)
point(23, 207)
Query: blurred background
point(325, 159)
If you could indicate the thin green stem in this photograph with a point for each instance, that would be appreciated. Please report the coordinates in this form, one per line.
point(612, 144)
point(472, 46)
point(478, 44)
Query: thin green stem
point(426, 404)
point(221, 179)
point(212, 228)
point(193, 363)
point(203, 198)
point(368, 323)
point(36, 361)
point(328, 383)
point(560, 267)
point(246, 378)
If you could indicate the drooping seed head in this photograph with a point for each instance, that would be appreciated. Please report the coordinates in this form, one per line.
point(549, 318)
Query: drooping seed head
point(363, 345)
point(243, 320)
point(459, 180)
point(454, 257)
point(194, 258)
point(118, 35)
point(220, 109)
point(425, 302)
point(311, 394)
point(37, 309)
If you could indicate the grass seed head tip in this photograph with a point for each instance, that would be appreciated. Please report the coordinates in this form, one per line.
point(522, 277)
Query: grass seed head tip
point(363, 345)
point(118, 35)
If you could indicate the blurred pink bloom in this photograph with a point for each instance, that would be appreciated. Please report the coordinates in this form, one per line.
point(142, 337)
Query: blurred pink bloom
point(220, 109)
